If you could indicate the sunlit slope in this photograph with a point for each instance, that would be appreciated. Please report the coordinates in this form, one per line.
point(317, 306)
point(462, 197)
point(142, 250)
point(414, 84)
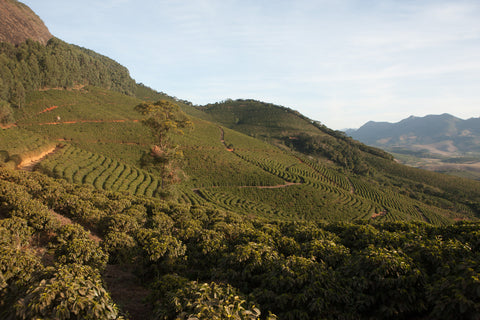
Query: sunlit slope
point(259, 119)
point(370, 166)
point(244, 174)
point(104, 141)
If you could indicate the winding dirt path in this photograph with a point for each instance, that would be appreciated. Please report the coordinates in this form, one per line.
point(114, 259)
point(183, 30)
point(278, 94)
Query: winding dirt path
point(378, 214)
point(29, 163)
point(77, 121)
point(7, 126)
point(286, 184)
point(222, 140)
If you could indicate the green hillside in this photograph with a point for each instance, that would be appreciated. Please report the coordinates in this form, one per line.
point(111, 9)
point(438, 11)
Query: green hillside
point(286, 127)
point(240, 214)
point(252, 212)
point(226, 168)
point(258, 119)
point(249, 207)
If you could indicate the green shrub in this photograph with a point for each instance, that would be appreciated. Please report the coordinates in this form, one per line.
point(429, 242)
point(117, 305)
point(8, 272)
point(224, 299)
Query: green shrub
point(121, 247)
point(18, 270)
point(119, 223)
point(328, 251)
point(161, 222)
point(68, 292)
point(157, 246)
point(207, 301)
point(70, 232)
point(15, 232)
point(456, 292)
point(82, 251)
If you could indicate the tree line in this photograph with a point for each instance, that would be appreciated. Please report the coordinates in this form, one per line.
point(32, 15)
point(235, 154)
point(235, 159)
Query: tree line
point(32, 66)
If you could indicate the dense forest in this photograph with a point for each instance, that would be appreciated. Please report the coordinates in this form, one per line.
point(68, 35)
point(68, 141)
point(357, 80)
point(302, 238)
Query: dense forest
point(33, 66)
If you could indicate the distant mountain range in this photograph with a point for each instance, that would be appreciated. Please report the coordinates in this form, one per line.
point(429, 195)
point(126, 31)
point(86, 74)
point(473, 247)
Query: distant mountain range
point(443, 135)
point(442, 143)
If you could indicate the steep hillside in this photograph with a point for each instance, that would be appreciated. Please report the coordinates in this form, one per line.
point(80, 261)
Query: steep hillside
point(254, 212)
point(106, 142)
point(283, 154)
point(19, 23)
point(258, 119)
point(285, 127)
point(32, 66)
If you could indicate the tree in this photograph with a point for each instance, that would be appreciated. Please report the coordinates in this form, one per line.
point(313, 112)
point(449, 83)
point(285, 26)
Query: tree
point(164, 118)
point(6, 112)
point(18, 94)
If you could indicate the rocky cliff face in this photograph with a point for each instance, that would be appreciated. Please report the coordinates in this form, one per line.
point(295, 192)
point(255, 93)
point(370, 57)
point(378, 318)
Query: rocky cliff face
point(19, 23)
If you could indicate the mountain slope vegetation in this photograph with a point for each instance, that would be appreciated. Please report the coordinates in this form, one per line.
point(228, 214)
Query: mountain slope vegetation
point(197, 260)
point(266, 215)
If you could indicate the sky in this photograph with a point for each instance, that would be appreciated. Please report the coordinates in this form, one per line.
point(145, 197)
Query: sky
point(340, 62)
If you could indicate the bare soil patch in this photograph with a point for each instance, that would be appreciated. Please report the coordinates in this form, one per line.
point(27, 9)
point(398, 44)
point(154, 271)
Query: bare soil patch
point(127, 292)
point(29, 163)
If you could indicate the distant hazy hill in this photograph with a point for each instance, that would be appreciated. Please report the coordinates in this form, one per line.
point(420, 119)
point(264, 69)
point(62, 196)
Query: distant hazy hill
point(438, 134)
point(19, 23)
point(442, 143)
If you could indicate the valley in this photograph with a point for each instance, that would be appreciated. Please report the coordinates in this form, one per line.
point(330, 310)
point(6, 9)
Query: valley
point(441, 143)
point(121, 202)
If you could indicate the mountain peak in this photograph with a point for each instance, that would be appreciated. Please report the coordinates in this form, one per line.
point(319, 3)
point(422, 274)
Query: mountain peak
point(19, 23)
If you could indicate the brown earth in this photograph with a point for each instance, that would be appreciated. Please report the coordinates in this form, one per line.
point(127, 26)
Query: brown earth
point(28, 163)
point(19, 23)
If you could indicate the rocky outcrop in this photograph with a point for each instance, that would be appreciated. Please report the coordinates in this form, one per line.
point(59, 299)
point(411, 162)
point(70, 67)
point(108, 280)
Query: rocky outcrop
point(19, 23)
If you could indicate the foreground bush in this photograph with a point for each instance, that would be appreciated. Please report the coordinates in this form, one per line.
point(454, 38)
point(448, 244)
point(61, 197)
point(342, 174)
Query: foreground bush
point(69, 292)
point(207, 301)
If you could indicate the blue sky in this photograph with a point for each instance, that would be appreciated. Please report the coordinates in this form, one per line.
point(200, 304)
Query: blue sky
point(342, 62)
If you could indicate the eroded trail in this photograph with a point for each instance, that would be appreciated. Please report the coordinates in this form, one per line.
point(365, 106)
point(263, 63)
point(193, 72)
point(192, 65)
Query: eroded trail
point(121, 281)
point(286, 184)
point(222, 140)
point(127, 292)
point(78, 121)
point(29, 163)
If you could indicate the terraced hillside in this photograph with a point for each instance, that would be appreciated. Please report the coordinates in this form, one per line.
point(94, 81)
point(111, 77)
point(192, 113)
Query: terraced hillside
point(105, 140)
point(275, 216)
